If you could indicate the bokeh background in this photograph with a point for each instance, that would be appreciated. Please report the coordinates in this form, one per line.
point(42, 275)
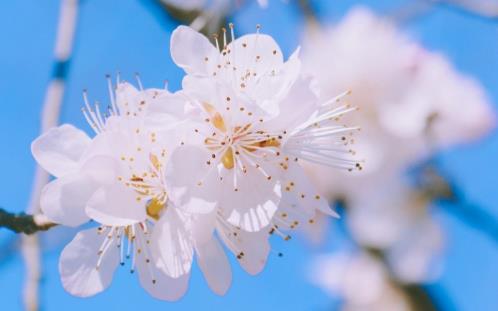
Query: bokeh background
point(133, 36)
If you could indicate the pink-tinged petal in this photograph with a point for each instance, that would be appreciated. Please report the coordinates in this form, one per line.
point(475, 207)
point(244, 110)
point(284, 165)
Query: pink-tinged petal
point(63, 200)
point(80, 275)
point(174, 251)
point(192, 51)
point(214, 265)
point(59, 149)
point(116, 205)
point(250, 248)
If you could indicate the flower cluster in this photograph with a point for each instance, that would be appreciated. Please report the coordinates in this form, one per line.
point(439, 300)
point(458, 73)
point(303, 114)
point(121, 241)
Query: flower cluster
point(172, 176)
point(413, 103)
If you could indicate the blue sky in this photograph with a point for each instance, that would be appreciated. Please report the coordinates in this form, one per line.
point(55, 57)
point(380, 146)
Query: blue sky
point(130, 36)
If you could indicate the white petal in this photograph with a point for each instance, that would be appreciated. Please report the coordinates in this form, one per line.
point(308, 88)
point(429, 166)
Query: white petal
point(165, 109)
point(256, 52)
point(298, 192)
point(252, 206)
point(165, 287)
point(63, 200)
point(272, 90)
point(59, 149)
point(126, 97)
point(189, 50)
point(254, 246)
point(204, 91)
point(78, 264)
point(290, 114)
point(116, 205)
point(101, 169)
point(214, 265)
point(202, 227)
point(174, 252)
point(188, 180)
point(157, 283)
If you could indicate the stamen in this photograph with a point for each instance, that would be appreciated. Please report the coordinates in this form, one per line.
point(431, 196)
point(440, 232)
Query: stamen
point(114, 110)
point(231, 32)
point(223, 29)
point(215, 37)
point(139, 82)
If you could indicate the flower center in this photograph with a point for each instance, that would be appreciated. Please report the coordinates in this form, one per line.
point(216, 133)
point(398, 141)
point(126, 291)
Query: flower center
point(154, 208)
point(239, 142)
point(150, 187)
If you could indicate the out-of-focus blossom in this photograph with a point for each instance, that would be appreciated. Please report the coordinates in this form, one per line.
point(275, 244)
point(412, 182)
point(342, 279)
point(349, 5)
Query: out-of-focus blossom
point(360, 280)
point(395, 218)
point(488, 8)
point(200, 5)
point(412, 103)
point(210, 12)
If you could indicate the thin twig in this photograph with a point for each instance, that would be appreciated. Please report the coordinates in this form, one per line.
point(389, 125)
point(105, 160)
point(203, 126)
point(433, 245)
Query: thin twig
point(24, 223)
point(309, 12)
point(440, 188)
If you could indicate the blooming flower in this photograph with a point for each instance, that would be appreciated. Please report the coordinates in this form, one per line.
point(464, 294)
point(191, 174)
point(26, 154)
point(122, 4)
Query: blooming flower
point(165, 171)
point(121, 171)
point(253, 117)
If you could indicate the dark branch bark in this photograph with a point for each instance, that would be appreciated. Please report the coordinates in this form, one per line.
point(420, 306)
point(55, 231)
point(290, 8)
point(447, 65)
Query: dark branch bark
point(21, 223)
point(440, 188)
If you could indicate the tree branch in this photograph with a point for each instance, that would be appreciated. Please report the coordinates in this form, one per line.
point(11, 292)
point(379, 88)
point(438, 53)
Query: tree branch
point(24, 223)
point(439, 187)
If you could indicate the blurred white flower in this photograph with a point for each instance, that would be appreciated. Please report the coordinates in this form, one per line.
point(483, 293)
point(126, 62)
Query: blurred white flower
point(211, 12)
point(200, 5)
point(488, 8)
point(360, 280)
point(412, 103)
point(395, 218)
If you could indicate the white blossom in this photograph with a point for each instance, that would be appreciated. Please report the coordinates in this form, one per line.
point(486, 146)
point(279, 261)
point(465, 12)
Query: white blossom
point(253, 118)
point(122, 172)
